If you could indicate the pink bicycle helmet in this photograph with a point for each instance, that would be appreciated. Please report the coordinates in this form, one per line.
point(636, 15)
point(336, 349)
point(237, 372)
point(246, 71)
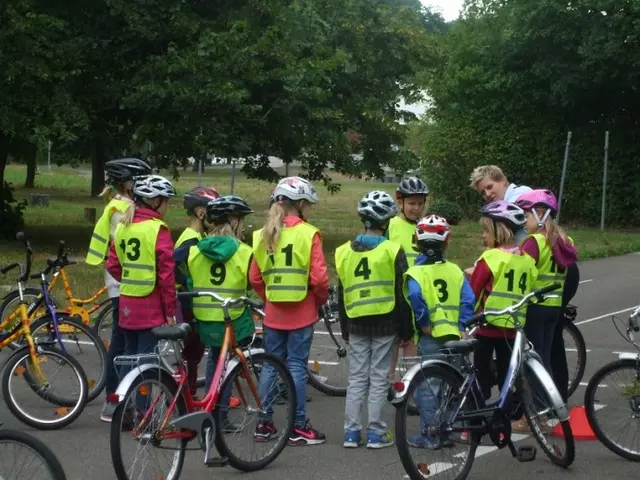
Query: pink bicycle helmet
point(503, 211)
point(538, 198)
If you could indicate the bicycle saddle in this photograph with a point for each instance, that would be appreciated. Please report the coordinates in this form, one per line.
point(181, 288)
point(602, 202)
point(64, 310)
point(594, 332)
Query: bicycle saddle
point(171, 332)
point(460, 346)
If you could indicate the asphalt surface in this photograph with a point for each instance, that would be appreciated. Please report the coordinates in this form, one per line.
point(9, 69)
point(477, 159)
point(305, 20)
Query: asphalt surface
point(609, 285)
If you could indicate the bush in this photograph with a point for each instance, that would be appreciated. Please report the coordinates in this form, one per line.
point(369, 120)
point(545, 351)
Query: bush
point(11, 216)
point(444, 208)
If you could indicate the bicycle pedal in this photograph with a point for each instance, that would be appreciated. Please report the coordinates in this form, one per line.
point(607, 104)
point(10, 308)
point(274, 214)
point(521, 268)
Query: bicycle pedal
point(526, 454)
point(217, 462)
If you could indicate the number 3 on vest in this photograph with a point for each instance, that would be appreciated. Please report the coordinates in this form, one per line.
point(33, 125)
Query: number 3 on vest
point(441, 285)
point(134, 254)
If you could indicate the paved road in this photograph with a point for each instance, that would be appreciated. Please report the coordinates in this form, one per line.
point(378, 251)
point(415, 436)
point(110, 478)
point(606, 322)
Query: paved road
point(609, 285)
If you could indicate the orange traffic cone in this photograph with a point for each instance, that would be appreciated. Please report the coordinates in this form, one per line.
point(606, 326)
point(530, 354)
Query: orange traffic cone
point(579, 425)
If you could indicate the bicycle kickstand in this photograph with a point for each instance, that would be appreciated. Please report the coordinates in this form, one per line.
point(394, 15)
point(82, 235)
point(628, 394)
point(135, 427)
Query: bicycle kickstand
point(208, 460)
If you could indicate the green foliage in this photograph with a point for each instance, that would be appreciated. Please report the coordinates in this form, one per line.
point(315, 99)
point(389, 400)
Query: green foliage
point(11, 215)
point(447, 209)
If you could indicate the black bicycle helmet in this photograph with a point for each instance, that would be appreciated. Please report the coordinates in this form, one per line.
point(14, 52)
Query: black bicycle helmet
point(199, 197)
point(123, 169)
point(220, 209)
point(411, 186)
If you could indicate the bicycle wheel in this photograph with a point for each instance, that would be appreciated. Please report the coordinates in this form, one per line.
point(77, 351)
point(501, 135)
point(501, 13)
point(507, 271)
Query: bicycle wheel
point(540, 399)
point(135, 428)
point(617, 403)
point(576, 355)
point(328, 362)
point(80, 341)
point(21, 454)
point(104, 323)
point(243, 418)
point(71, 399)
point(11, 302)
point(434, 384)
point(168, 359)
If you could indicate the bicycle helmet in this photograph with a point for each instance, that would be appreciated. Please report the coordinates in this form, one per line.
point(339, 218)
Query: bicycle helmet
point(152, 186)
point(503, 211)
point(538, 198)
point(377, 206)
point(220, 209)
point(119, 171)
point(295, 188)
point(431, 230)
point(411, 186)
point(199, 197)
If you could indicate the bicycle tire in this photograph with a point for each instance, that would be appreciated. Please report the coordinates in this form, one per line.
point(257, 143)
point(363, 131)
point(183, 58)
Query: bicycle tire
point(287, 379)
point(590, 401)
point(78, 407)
point(581, 346)
point(39, 448)
point(114, 441)
point(314, 380)
point(30, 294)
point(46, 320)
point(567, 434)
point(104, 312)
point(402, 446)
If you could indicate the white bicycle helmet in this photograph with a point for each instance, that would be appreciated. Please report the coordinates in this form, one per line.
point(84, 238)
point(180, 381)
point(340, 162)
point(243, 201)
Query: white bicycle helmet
point(378, 206)
point(432, 228)
point(411, 186)
point(295, 188)
point(152, 186)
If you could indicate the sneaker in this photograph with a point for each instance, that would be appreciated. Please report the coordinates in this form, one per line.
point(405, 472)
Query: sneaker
point(265, 431)
point(377, 440)
point(306, 435)
point(106, 415)
point(352, 439)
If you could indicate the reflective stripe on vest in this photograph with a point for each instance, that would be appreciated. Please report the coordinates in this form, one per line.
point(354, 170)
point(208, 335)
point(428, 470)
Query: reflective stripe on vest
point(513, 277)
point(228, 279)
point(403, 233)
point(368, 278)
point(441, 284)
point(188, 234)
point(548, 272)
point(286, 271)
point(99, 244)
point(136, 249)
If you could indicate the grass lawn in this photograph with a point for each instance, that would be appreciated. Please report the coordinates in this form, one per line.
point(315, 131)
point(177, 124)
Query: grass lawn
point(335, 216)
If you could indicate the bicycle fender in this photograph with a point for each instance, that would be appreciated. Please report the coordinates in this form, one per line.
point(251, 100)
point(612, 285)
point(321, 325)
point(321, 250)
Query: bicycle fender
point(235, 361)
point(536, 369)
point(399, 397)
point(127, 381)
point(627, 356)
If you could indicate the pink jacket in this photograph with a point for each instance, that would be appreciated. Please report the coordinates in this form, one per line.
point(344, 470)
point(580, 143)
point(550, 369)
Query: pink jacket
point(141, 313)
point(295, 315)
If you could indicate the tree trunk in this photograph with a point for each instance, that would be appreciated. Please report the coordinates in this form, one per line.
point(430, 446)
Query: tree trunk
point(30, 153)
point(4, 153)
point(97, 166)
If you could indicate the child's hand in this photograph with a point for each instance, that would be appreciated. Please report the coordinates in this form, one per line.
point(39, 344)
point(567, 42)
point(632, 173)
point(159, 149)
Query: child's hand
point(171, 320)
point(426, 330)
point(469, 271)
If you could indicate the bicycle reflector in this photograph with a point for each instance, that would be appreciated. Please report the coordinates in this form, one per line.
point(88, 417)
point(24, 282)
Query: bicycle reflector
point(398, 386)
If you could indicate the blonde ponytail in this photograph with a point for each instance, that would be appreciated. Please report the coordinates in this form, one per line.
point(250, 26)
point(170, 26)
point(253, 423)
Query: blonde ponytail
point(273, 226)
point(554, 233)
point(500, 234)
point(129, 213)
point(108, 193)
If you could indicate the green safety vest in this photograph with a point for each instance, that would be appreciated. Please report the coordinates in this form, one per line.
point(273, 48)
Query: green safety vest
point(403, 233)
point(188, 234)
point(441, 284)
point(548, 271)
point(99, 245)
point(513, 277)
point(228, 279)
point(136, 249)
point(286, 271)
point(368, 278)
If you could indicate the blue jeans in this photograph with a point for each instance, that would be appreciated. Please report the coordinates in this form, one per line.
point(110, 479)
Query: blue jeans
point(428, 394)
point(116, 347)
point(292, 346)
point(138, 342)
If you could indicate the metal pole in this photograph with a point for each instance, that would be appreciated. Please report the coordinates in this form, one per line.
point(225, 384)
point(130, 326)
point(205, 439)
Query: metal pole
point(604, 178)
point(564, 174)
point(200, 172)
point(49, 157)
point(233, 174)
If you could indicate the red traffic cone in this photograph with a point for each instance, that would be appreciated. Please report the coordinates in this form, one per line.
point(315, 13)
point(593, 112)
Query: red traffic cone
point(579, 425)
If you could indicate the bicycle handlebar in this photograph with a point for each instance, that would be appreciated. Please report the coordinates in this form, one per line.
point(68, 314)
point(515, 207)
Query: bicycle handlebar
point(539, 294)
point(26, 268)
point(226, 302)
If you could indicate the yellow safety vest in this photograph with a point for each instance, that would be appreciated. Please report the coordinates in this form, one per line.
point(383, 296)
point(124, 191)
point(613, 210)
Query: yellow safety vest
point(403, 233)
point(441, 284)
point(99, 245)
point(548, 271)
point(229, 280)
point(286, 271)
point(368, 278)
point(188, 234)
point(513, 277)
point(136, 249)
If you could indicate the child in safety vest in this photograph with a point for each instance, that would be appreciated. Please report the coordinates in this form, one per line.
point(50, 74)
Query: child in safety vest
point(195, 204)
point(502, 276)
point(119, 180)
point(373, 315)
point(290, 273)
point(220, 263)
point(442, 301)
point(141, 258)
point(411, 197)
point(553, 252)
